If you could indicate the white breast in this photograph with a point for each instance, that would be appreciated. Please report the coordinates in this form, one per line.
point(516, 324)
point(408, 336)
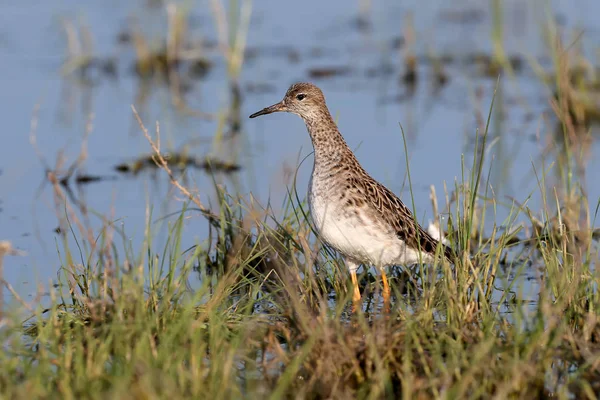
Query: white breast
point(366, 242)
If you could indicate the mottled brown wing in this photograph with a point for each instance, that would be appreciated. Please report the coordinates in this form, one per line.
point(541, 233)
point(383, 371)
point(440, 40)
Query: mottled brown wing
point(401, 219)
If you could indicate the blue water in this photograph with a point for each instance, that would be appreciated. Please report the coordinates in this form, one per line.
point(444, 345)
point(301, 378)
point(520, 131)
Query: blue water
point(439, 126)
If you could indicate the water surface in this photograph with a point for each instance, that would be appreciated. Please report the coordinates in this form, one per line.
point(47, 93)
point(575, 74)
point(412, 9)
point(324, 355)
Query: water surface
point(286, 42)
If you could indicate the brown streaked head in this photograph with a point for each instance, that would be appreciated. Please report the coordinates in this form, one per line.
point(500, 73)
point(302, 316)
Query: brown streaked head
point(303, 99)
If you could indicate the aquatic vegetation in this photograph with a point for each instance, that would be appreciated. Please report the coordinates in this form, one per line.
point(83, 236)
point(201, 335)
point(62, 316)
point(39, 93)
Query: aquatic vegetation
point(258, 307)
point(269, 314)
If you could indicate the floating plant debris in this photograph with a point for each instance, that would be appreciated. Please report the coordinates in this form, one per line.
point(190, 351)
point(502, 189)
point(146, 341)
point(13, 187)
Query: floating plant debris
point(490, 66)
point(158, 64)
point(84, 178)
point(327, 72)
point(154, 63)
point(178, 161)
point(218, 166)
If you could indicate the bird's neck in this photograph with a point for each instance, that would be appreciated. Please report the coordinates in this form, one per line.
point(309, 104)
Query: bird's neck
point(329, 145)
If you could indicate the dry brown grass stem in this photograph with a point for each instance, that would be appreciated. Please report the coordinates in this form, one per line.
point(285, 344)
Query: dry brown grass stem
point(162, 163)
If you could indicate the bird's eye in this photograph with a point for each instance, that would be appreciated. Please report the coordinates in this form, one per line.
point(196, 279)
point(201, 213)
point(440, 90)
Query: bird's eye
point(300, 96)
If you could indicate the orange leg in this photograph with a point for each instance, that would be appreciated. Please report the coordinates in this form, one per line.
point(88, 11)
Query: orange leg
point(386, 290)
point(356, 291)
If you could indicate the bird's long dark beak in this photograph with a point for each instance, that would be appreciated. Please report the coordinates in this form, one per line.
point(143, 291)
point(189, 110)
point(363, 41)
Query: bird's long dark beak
point(271, 109)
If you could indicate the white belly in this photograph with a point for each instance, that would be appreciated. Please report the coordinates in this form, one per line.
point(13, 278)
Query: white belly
point(364, 241)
